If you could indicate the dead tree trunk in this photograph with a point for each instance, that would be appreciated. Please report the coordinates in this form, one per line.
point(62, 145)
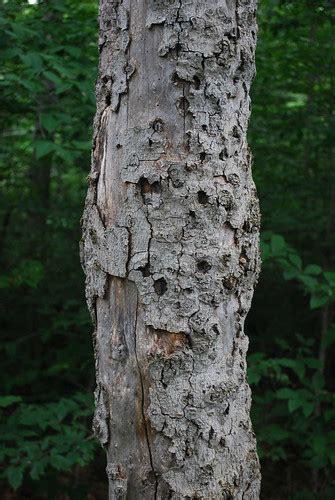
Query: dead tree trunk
point(170, 248)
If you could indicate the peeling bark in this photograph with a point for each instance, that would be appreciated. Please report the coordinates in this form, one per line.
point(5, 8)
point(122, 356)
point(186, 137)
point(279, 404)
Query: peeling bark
point(170, 248)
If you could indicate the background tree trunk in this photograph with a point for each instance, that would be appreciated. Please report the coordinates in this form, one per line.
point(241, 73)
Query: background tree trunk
point(170, 248)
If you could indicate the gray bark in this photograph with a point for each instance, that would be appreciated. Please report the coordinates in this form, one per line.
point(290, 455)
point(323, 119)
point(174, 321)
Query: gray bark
point(170, 248)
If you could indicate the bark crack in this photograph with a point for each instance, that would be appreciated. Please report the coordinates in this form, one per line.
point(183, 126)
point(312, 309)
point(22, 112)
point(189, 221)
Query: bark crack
point(143, 403)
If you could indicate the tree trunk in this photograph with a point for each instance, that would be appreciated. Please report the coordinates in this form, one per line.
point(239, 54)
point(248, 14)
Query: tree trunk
point(170, 248)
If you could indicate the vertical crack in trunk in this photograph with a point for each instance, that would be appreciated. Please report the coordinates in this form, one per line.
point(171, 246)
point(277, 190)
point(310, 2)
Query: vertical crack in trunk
point(143, 403)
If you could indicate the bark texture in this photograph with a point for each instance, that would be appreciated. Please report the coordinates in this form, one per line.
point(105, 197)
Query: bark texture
point(170, 248)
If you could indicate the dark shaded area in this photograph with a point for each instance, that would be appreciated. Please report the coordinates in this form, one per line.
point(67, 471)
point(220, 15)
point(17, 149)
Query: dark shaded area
point(160, 286)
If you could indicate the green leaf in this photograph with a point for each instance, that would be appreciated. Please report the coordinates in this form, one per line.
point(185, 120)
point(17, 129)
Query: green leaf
point(83, 145)
point(15, 476)
point(278, 244)
point(265, 251)
point(318, 300)
point(330, 277)
point(295, 260)
point(59, 462)
point(307, 408)
point(43, 148)
point(309, 282)
point(49, 122)
point(312, 363)
point(37, 469)
point(253, 377)
point(313, 269)
point(33, 60)
point(290, 274)
point(285, 393)
point(273, 432)
point(296, 365)
point(63, 87)
point(52, 77)
point(294, 404)
point(6, 401)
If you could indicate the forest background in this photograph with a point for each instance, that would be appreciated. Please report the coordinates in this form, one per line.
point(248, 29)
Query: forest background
point(48, 64)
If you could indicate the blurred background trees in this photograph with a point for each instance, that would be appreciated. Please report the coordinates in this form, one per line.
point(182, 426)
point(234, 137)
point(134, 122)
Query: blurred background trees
point(48, 66)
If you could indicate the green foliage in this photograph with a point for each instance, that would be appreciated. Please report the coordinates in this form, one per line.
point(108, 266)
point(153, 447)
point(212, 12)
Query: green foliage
point(292, 127)
point(318, 284)
point(39, 438)
point(28, 272)
point(287, 411)
point(293, 409)
point(291, 323)
point(48, 66)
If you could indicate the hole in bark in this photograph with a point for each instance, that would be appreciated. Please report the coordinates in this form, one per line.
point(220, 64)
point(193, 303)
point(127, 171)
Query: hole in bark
point(167, 343)
point(118, 146)
point(150, 143)
point(204, 127)
point(188, 290)
point(192, 214)
point(160, 286)
point(215, 329)
point(157, 125)
point(182, 105)
point(202, 156)
point(108, 100)
point(176, 79)
point(226, 411)
point(156, 187)
point(147, 188)
point(202, 197)
point(223, 154)
point(196, 82)
point(236, 133)
point(145, 270)
point(204, 266)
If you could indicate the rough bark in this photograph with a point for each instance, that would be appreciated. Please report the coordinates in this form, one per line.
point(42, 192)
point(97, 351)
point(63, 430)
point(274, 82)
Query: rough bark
point(170, 248)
